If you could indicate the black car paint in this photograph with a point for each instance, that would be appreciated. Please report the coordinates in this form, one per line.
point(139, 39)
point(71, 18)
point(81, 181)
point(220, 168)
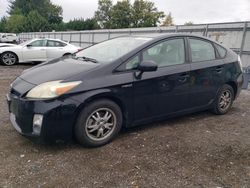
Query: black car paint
point(167, 92)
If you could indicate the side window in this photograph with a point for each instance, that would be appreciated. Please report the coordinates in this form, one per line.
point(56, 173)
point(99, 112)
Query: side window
point(222, 51)
point(201, 50)
point(133, 63)
point(38, 43)
point(52, 43)
point(170, 52)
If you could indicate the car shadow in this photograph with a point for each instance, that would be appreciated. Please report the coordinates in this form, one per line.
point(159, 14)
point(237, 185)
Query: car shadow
point(173, 121)
point(125, 133)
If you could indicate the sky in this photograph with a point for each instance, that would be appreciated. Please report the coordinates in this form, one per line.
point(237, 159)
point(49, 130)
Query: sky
point(197, 11)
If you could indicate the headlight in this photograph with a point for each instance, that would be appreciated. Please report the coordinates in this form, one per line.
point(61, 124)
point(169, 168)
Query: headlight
point(52, 89)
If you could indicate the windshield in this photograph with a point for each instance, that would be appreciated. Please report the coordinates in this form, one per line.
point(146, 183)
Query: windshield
point(113, 49)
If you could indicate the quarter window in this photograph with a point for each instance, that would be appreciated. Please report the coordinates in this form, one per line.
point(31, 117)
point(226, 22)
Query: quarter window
point(52, 43)
point(222, 51)
point(201, 50)
point(133, 63)
point(170, 52)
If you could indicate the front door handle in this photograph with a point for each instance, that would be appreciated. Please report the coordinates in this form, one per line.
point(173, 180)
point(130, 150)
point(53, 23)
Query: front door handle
point(127, 85)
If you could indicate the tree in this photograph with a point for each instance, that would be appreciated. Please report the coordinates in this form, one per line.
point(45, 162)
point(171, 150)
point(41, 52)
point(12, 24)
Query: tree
point(43, 15)
point(52, 13)
point(121, 14)
point(168, 21)
point(145, 14)
point(103, 13)
point(35, 22)
point(81, 24)
point(90, 24)
point(189, 23)
point(142, 13)
point(3, 22)
point(16, 23)
point(57, 27)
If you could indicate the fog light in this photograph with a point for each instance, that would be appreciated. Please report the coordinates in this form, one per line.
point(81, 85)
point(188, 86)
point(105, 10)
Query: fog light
point(37, 124)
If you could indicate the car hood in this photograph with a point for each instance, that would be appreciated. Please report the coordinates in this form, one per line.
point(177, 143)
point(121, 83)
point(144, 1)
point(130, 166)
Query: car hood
point(57, 69)
point(7, 45)
point(11, 48)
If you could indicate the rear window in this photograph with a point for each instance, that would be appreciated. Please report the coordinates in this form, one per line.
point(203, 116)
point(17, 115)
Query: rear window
point(222, 51)
point(52, 43)
point(201, 50)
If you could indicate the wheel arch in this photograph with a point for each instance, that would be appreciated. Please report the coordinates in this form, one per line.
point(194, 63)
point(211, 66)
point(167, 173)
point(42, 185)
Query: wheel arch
point(12, 53)
point(67, 53)
point(234, 86)
point(102, 96)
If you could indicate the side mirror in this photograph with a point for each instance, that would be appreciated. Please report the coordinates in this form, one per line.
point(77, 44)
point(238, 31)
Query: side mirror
point(147, 66)
point(28, 45)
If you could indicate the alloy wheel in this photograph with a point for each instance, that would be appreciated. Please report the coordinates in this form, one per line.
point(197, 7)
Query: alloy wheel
point(225, 100)
point(100, 124)
point(9, 59)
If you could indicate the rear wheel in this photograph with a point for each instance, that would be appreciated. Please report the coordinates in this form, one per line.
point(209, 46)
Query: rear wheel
point(224, 100)
point(9, 58)
point(98, 123)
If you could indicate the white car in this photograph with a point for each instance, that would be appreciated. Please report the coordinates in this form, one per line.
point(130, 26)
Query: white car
point(36, 50)
point(8, 37)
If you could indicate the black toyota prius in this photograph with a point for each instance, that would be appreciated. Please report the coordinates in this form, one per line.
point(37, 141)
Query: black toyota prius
point(123, 82)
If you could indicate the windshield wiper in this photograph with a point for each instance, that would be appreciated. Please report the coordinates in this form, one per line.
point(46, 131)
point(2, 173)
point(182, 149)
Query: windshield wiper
point(87, 59)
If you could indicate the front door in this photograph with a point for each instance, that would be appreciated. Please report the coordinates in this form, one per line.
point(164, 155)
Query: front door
point(166, 90)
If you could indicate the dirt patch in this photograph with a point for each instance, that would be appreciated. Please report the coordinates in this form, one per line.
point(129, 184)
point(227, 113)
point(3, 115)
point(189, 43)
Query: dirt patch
point(198, 150)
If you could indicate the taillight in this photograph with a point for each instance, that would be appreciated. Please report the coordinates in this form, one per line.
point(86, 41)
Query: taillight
point(240, 63)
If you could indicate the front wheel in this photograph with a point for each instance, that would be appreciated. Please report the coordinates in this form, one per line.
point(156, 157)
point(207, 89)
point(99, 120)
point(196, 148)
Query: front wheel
point(98, 123)
point(224, 100)
point(9, 58)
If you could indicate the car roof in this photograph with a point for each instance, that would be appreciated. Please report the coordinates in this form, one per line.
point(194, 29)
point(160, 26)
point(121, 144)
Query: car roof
point(159, 36)
point(164, 35)
point(49, 39)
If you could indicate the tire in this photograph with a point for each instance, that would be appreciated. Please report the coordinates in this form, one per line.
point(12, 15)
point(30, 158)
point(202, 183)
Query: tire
point(98, 123)
point(9, 59)
point(224, 100)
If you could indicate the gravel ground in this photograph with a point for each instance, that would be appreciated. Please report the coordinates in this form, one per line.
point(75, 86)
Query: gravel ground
point(198, 150)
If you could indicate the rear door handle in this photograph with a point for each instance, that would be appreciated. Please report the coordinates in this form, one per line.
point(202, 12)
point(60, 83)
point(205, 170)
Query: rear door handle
point(183, 77)
point(219, 69)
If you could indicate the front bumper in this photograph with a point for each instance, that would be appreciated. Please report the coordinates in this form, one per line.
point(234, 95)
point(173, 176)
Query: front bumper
point(59, 117)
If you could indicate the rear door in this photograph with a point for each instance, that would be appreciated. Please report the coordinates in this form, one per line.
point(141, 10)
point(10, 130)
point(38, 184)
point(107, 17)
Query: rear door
point(207, 72)
point(55, 49)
